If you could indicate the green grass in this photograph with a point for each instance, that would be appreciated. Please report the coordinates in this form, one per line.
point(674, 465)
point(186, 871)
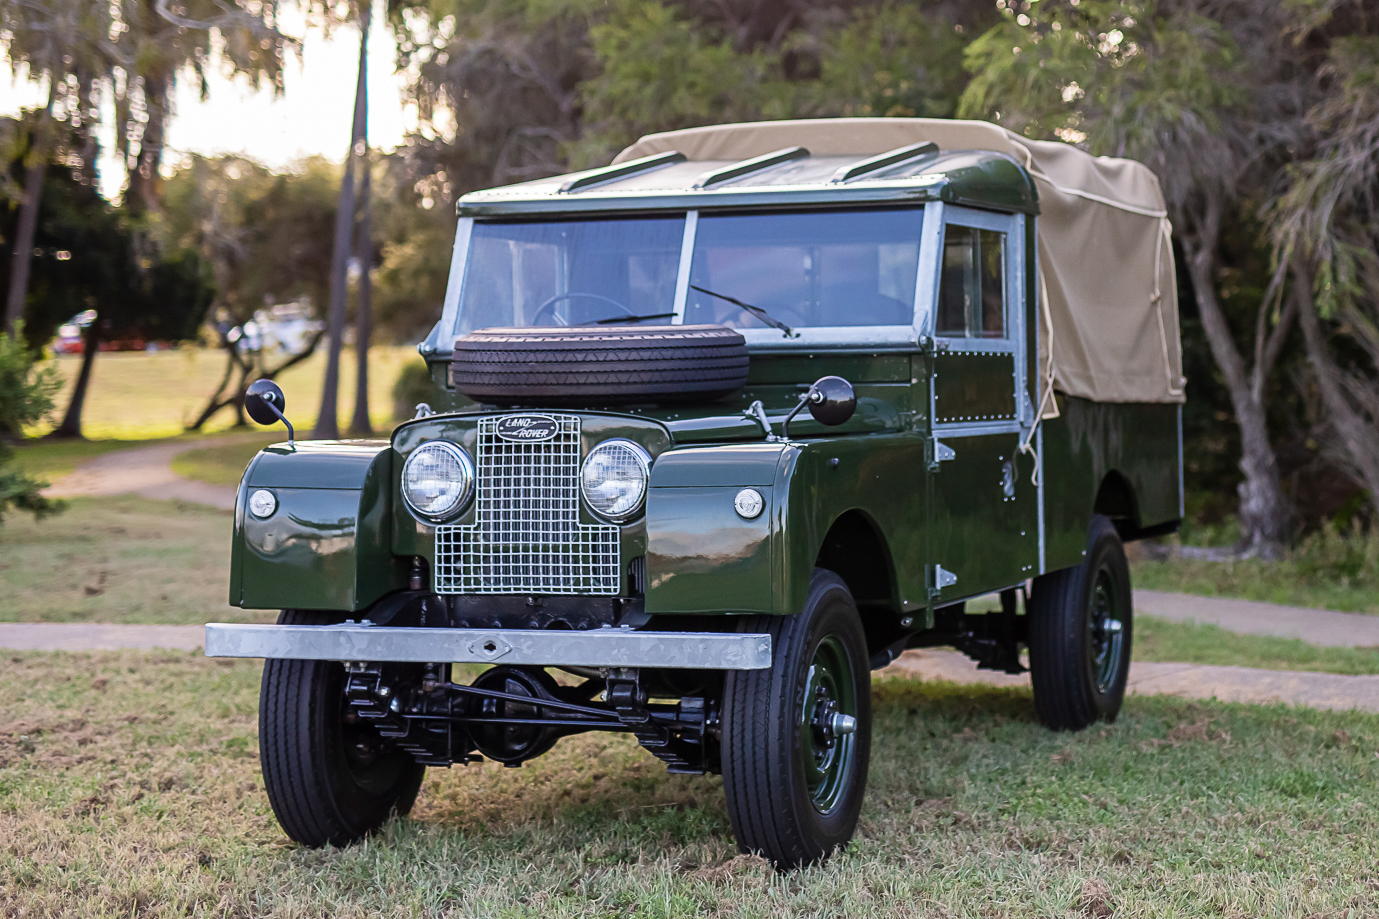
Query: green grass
point(141, 396)
point(129, 785)
point(1197, 643)
point(119, 559)
point(1333, 567)
point(1285, 582)
point(222, 465)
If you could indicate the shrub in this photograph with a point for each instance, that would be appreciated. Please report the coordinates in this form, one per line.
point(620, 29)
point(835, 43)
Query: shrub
point(26, 397)
point(413, 385)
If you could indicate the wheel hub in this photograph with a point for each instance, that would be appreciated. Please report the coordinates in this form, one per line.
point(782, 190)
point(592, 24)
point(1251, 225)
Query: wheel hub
point(828, 725)
point(1105, 633)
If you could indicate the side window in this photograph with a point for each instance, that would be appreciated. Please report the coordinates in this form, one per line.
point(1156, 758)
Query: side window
point(972, 289)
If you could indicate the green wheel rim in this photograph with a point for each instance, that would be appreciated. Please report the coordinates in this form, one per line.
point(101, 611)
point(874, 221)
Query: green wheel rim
point(827, 756)
point(1105, 632)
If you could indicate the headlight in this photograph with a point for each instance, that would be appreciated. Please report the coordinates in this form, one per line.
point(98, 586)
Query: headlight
point(614, 479)
point(436, 479)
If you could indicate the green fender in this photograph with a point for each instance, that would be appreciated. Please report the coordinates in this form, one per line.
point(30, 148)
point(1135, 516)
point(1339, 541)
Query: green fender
point(327, 544)
point(702, 557)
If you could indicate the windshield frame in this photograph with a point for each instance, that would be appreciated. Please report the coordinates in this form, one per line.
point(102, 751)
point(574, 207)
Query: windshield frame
point(885, 337)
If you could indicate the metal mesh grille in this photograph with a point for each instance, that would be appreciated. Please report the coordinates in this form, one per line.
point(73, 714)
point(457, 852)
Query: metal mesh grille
point(527, 537)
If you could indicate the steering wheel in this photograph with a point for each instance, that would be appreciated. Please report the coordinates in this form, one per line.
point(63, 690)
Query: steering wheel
point(548, 305)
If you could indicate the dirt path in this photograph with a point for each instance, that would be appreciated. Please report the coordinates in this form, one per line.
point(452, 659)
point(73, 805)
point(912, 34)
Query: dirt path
point(89, 636)
point(1191, 681)
point(146, 471)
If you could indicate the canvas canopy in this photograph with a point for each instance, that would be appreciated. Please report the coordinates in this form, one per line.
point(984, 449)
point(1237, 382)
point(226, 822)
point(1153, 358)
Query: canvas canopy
point(1106, 278)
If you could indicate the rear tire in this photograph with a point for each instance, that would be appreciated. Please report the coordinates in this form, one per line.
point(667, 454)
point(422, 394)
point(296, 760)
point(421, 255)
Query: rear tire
point(329, 779)
point(794, 783)
point(1080, 629)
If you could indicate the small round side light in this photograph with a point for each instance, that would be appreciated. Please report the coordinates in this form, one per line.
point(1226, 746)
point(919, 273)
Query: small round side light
point(749, 504)
point(262, 503)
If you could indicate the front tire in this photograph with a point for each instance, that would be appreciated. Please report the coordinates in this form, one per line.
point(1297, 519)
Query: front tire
point(1080, 631)
point(330, 778)
point(793, 772)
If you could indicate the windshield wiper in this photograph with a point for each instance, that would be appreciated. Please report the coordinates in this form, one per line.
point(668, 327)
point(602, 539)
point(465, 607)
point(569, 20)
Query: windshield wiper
point(756, 311)
point(628, 318)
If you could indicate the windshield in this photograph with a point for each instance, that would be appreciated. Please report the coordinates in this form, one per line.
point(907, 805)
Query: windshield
point(779, 270)
point(828, 268)
point(567, 273)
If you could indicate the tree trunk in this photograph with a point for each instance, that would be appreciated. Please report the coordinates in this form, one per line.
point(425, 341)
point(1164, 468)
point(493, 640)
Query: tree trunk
point(1264, 513)
point(145, 181)
point(22, 256)
point(363, 312)
point(1358, 435)
point(71, 419)
point(327, 422)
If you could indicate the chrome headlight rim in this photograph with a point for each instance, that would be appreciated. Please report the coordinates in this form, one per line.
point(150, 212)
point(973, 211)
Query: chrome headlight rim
point(461, 457)
point(643, 458)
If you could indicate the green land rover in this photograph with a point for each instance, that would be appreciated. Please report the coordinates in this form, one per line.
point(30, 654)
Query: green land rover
point(716, 431)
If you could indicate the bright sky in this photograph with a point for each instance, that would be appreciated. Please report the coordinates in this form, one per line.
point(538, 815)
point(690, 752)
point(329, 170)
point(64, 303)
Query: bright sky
point(312, 117)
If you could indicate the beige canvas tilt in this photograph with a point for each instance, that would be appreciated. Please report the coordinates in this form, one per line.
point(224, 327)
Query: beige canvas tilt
point(1109, 301)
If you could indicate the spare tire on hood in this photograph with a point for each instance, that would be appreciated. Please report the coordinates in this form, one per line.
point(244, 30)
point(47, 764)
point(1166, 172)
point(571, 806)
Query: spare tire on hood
point(600, 366)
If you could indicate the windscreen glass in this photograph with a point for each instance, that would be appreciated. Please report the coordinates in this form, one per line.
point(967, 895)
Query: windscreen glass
point(571, 273)
point(806, 269)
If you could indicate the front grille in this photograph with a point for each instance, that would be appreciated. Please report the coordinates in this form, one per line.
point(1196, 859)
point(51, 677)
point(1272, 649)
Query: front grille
point(526, 536)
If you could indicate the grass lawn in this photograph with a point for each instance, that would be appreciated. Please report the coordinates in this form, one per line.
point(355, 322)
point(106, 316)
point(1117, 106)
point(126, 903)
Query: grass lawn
point(1331, 567)
point(221, 465)
point(1196, 643)
point(1287, 582)
point(129, 785)
point(1255, 580)
point(141, 396)
point(119, 559)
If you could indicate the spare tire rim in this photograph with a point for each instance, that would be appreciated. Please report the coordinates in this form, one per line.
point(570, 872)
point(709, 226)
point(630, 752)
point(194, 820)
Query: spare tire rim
point(1105, 632)
point(827, 755)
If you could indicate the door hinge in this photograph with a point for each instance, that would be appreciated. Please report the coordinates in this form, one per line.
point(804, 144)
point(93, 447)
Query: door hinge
point(939, 452)
point(940, 578)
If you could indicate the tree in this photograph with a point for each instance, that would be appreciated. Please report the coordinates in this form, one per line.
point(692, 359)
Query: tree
point(509, 90)
point(1210, 105)
point(60, 42)
point(327, 421)
point(125, 52)
point(1325, 226)
point(267, 238)
point(150, 294)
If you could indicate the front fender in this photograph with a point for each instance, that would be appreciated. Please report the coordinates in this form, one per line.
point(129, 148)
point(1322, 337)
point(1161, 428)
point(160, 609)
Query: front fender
point(703, 558)
point(326, 546)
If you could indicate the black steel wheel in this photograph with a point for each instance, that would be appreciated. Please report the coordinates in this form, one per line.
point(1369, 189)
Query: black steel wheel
point(1080, 631)
point(331, 778)
point(796, 739)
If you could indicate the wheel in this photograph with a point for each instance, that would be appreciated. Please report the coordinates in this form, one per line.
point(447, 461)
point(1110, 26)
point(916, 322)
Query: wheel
point(599, 365)
point(796, 738)
point(330, 777)
point(1080, 627)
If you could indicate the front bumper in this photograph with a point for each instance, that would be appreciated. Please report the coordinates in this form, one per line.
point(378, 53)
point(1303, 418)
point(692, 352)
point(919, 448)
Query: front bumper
point(607, 647)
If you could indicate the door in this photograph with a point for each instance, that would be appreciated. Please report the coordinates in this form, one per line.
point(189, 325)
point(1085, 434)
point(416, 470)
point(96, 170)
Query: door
point(983, 501)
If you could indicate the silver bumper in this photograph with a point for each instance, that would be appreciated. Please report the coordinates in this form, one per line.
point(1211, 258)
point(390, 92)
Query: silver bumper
point(594, 648)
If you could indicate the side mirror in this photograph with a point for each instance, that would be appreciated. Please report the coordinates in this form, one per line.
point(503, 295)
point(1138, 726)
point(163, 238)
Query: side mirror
point(266, 404)
point(831, 401)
